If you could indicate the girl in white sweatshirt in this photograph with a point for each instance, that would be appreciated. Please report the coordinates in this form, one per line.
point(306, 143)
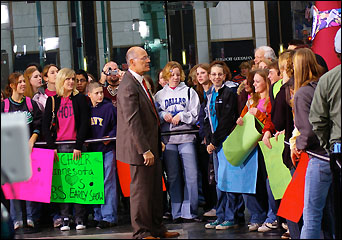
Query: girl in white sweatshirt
point(178, 107)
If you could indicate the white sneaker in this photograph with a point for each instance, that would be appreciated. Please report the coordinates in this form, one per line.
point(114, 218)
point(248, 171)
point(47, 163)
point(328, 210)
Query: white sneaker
point(253, 227)
point(18, 224)
point(212, 225)
point(211, 213)
point(30, 223)
point(80, 226)
point(225, 225)
point(284, 225)
point(65, 226)
point(264, 228)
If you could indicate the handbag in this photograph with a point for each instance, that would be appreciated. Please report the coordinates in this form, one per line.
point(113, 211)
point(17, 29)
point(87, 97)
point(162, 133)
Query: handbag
point(242, 140)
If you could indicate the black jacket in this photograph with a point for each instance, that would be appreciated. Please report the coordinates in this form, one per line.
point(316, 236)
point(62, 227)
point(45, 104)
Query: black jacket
point(226, 113)
point(82, 120)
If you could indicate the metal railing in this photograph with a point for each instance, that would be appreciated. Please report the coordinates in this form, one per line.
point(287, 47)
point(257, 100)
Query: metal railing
point(193, 131)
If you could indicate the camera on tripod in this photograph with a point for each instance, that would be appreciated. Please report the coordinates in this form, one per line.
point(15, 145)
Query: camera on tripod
point(111, 72)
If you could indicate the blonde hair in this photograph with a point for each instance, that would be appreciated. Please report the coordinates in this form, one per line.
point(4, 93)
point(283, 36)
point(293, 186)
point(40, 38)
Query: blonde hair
point(306, 68)
point(267, 61)
point(167, 70)
point(27, 75)
point(63, 74)
point(285, 62)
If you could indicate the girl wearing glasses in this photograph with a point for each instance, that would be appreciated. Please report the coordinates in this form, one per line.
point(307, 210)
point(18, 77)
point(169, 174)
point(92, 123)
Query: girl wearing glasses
point(221, 114)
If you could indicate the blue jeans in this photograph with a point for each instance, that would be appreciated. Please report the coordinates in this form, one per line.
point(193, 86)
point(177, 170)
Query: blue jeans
point(272, 206)
point(109, 210)
point(258, 213)
point(183, 194)
point(32, 210)
point(317, 194)
point(230, 206)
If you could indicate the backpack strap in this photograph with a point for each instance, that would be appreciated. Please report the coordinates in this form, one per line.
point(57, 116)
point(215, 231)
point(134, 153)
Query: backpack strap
point(6, 109)
point(189, 94)
point(29, 104)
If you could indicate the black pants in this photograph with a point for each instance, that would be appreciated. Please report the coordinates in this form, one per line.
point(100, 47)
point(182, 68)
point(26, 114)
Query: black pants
point(66, 208)
point(209, 190)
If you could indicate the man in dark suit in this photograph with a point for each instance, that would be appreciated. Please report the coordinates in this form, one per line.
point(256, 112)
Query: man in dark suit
point(139, 144)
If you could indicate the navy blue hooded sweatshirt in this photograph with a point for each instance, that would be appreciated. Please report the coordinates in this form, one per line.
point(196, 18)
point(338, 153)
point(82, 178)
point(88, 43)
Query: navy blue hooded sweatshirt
point(103, 123)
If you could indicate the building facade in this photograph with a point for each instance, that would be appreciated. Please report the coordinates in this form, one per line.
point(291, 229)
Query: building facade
point(85, 35)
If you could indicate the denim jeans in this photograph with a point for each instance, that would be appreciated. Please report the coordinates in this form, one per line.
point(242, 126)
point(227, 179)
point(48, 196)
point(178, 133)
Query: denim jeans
point(230, 206)
point(272, 206)
point(183, 194)
point(258, 213)
point(317, 193)
point(32, 210)
point(109, 210)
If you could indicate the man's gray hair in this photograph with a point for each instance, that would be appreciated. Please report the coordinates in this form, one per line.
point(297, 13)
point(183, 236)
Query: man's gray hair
point(268, 52)
point(131, 54)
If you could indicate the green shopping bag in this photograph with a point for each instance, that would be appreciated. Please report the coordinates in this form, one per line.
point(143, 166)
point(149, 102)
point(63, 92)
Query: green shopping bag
point(242, 140)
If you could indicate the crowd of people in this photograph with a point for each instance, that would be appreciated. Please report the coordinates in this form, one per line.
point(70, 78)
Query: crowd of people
point(294, 95)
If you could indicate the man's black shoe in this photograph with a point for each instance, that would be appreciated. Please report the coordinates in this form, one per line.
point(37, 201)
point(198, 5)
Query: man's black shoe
point(191, 220)
point(105, 224)
point(177, 220)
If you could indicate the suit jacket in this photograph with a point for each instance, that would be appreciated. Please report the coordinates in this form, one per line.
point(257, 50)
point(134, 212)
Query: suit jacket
point(137, 123)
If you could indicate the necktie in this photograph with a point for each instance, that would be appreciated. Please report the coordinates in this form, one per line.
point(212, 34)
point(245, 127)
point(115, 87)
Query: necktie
point(149, 96)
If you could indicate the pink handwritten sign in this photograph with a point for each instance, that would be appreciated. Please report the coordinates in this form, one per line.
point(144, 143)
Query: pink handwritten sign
point(38, 187)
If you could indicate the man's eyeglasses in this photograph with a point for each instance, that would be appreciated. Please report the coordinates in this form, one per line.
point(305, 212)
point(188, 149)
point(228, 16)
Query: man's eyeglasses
point(144, 58)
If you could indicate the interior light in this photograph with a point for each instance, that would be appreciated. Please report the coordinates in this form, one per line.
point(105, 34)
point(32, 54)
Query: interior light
point(281, 48)
point(184, 57)
point(143, 29)
point(85, 64)
point(4, 14)
point(51, 43)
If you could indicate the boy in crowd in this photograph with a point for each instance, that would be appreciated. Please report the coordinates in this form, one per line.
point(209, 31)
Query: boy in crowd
point(103, 124)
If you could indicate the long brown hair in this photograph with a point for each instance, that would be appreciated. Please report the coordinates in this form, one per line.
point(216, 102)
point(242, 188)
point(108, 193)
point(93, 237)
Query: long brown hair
point(199, 87)
point(264, 73)
point(306, 68)
point(46, 70)
point(192, 80)
point(13, 78)
point(27, 75)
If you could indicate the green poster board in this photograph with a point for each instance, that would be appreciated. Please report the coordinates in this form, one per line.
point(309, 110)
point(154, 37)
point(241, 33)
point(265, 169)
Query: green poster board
point(242, 140)
point(278, 174)
point(78, 181)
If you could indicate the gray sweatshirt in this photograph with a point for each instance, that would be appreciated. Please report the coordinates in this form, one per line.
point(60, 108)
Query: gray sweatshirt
point(178, 101)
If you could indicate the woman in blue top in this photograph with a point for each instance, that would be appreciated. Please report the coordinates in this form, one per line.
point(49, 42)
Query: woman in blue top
point(221, 115)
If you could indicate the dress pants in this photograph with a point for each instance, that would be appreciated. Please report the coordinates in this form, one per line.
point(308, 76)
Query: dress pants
point(146, 200)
